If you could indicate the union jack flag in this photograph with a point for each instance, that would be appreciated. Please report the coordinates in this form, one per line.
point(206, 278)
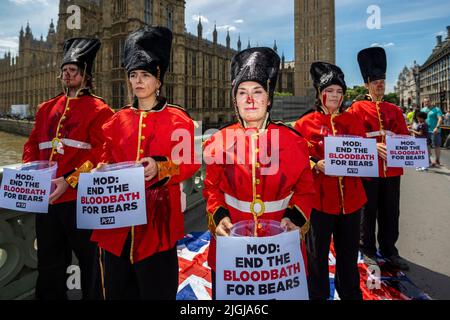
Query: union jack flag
point(195, 275)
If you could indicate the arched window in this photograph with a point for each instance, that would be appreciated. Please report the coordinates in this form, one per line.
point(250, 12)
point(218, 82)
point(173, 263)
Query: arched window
point(119, 8)
point(148, 11)
point(169, 15)
point(118, 94)
point(194, 64)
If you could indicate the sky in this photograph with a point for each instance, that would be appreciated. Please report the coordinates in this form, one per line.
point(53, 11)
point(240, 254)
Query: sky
point(408, 28)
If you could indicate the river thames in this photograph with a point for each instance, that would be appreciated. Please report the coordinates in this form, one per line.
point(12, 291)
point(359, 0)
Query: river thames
point(11, 148)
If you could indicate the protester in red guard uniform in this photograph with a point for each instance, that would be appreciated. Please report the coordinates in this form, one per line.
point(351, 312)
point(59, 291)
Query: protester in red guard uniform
point(338, 200)
point(255, 167)
point(68, 130)
point(380, 118)
point(141, 262)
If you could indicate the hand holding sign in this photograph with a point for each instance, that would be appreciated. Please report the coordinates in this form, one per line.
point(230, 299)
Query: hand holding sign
point(288, 224)
point(382, 152)
point(151, 169)
point(224, 227)
point(320, 165)
point(61, 187)
point(99, 167)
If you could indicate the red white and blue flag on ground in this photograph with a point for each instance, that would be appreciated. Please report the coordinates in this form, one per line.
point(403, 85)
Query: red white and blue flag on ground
point(195, 275)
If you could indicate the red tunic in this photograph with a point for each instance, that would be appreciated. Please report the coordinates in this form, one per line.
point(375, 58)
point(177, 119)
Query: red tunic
point(165, 223)
point(77, 122)
point(387, 117)
point(290, 182)
point(334, 195)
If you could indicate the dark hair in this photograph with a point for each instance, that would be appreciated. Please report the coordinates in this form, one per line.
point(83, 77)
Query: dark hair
point(422, 115)
point(129, 90)
point(416, 113)
point(89, 82)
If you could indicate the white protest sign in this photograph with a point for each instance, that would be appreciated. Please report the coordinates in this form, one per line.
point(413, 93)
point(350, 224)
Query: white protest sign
point(261, 268)
point(351, 156)
point(108, 200)
point(406, 151)
point(26, 191)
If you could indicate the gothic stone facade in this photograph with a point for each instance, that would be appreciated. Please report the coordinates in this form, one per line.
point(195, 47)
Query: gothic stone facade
point(198, 77)
point(407, 87)
point(435, 74)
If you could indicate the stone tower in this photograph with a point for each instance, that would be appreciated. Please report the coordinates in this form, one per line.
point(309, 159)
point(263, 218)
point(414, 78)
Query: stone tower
point(314, 40)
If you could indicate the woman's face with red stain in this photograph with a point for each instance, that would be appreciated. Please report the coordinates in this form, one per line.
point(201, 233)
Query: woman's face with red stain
point(252, 101)
point(332, 97)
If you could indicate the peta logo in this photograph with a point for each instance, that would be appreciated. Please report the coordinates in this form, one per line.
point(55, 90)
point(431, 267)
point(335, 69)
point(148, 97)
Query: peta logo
point(21, 205)
point(373, 277)
point(107, 221)
point(409, 163)
point(352, 170)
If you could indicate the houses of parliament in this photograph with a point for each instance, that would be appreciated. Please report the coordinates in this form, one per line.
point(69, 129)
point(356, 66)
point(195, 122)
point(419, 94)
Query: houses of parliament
point(198, 77)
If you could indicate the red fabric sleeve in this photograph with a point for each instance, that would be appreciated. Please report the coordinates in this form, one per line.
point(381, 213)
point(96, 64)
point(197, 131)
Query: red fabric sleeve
point(357, 127)
point(214, 197)
point(353, 110)
point(193, 162)
point(96, 137)
point(304, 188)
point(313, 150)
point(189, 163)
point(31, 147)
point(107, 132)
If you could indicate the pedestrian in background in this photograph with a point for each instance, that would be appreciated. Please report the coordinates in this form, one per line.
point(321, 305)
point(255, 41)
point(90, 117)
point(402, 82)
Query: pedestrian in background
point(434, 121)
point(422, 132)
